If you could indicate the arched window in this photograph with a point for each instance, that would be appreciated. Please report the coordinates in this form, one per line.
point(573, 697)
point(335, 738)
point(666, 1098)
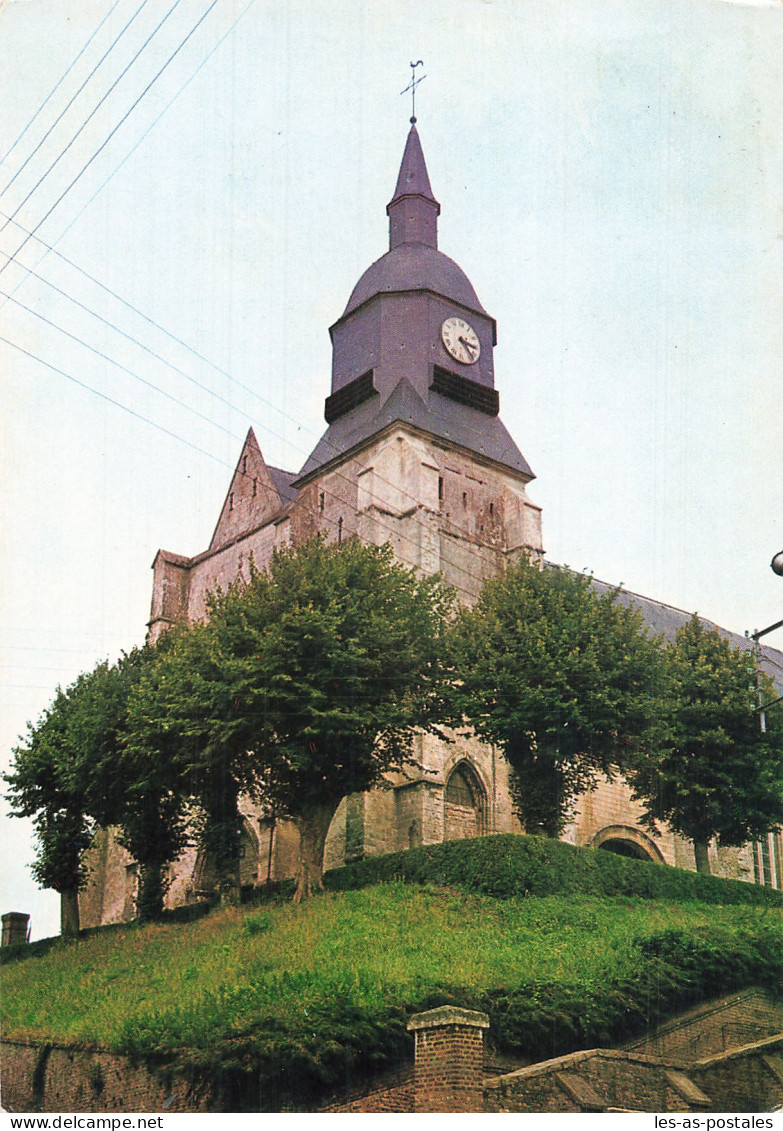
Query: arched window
point(465, 804)
point(459, 790)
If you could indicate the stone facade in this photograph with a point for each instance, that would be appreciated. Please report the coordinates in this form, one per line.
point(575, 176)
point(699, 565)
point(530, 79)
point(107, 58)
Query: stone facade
point(415, 455)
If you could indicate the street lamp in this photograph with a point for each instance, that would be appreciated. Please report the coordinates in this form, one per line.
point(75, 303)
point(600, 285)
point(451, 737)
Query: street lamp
point(776, 565)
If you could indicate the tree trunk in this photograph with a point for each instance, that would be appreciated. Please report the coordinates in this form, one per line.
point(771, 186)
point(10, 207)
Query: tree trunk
point(702, 859)
point(230, 888)
point(151, 891)
point(313, 827)
point(69, 914)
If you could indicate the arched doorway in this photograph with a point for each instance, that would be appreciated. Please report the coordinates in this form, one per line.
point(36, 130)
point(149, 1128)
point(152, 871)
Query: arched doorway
point(466, 804)
point(205, 879)
point(623, 840)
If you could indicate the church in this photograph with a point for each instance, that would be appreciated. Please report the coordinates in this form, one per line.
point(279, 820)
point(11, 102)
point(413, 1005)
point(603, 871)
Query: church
point(414, 454)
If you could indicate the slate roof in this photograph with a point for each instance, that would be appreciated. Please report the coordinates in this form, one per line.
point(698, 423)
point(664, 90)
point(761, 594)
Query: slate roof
point(415, 267)
point(283, 483)
point(442, 417)
point(413, 178)
point(665, 619)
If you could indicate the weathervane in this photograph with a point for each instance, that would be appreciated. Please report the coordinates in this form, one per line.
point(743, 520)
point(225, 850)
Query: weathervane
point(412, 88)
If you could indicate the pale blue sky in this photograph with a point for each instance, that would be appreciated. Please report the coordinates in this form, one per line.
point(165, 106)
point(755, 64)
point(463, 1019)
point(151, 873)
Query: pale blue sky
point(610, 178)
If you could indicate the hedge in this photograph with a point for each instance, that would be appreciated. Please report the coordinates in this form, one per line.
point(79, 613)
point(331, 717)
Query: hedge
point(506, 865)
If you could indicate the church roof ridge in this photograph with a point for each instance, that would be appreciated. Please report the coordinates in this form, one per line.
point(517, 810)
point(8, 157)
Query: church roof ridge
point(648, 606)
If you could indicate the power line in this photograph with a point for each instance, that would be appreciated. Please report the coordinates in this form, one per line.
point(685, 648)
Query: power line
point(246, 388)
point(335, 522)
point(97, 107)
point(151, 321)
point(232, 435)
point(155, 387)
point(111, 400)
point(41, 648)
point(36, 668)
point(58, 84)
point(125, 116)
point(62, 113)
point(130, 372)
point(128, 155)
point(128, 337)
point(148, 319)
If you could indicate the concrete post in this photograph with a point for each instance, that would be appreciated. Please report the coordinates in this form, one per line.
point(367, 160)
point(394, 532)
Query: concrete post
point(15, 926)
point(449, 1066)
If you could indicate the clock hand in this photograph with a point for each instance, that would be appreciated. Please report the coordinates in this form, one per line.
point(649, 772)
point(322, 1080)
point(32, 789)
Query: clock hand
point(467, 344)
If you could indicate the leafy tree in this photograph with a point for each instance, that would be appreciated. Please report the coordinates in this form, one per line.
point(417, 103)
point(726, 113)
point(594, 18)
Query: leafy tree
point(716, 774)
point(129, 785)
point(184, 715)
point(560, 676)
point(46, 784)
point(76, 772)
point(305, 685)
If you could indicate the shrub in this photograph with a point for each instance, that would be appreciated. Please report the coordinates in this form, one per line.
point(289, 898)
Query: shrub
point(506, 865)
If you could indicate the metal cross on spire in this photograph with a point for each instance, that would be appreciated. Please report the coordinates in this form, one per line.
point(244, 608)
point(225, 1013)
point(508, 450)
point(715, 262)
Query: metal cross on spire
point(412, 88)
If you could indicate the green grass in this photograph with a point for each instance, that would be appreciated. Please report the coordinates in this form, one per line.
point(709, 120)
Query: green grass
point(275, 1004)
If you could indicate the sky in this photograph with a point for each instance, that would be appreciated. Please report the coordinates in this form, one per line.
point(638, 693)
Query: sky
point(202, 205)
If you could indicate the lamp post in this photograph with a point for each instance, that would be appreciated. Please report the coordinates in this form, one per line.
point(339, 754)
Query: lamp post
point(776, 565)
point(762, 865)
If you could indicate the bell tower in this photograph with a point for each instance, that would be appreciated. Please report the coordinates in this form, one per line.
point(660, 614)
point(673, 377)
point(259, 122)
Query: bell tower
point(413, 413)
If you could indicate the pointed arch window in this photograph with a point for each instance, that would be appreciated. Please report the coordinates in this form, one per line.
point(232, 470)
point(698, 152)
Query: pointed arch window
point(466, 804)
point(460, 790)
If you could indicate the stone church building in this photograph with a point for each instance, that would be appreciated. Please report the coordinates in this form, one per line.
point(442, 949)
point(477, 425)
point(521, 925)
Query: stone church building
point(415, 454)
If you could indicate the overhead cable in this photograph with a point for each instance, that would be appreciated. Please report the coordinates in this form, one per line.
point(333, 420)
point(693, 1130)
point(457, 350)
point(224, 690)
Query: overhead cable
point(58, 84)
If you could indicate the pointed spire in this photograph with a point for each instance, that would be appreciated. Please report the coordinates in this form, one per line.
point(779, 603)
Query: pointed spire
point(413, 210)
point(413, 179)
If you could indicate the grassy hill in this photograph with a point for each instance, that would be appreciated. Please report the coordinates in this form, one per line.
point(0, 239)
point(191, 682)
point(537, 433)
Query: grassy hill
point(277, 1004)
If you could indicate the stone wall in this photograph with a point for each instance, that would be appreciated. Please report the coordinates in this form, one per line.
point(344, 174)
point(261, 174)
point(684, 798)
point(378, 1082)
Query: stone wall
point(57, 1078)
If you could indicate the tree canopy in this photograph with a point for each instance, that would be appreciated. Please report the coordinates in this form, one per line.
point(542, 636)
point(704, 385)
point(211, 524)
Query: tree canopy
point(715, 774)
point(77, 772)
point(47, 783)
point(304, 685)
point(562, 677)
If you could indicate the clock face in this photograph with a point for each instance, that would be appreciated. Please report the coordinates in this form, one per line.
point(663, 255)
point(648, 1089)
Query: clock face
point(461, 340)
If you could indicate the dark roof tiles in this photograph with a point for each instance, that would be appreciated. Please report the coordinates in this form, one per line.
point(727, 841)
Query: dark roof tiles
point(415, 267)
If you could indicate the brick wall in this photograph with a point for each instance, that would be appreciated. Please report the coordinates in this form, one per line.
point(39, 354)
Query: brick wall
point(57, 1078)
point(747, 1079)
point(710, 1029)
point(391, 1094)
